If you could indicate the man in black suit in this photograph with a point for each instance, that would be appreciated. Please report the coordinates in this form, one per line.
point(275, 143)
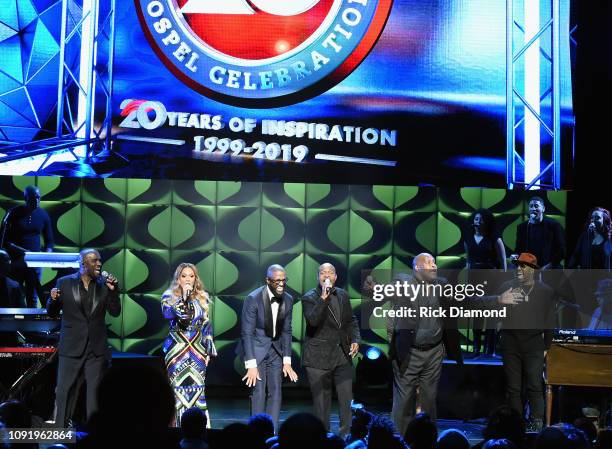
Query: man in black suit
point(265, 344)
point(332, 340)
point(541, 236)
point(84, 298)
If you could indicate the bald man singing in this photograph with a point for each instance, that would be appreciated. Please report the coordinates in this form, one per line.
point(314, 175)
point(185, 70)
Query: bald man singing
point(332, 340)
point(83, 298)
point(417, 348)
point(417, 344)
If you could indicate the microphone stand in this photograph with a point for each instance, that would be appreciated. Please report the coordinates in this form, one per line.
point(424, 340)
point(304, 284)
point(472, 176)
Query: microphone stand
point(5, 225)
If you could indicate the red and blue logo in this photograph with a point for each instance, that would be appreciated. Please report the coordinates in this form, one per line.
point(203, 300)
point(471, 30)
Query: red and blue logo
point(262, 53)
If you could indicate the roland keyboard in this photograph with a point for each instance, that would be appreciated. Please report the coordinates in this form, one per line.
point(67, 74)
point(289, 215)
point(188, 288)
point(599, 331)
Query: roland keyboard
point(35, 259)
point(583, 336)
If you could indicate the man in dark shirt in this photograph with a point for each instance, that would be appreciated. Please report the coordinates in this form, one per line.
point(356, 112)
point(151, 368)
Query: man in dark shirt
point(419, 342)
point(22, 227)
point(541, 236)
point(526, 335)
point(417, 348)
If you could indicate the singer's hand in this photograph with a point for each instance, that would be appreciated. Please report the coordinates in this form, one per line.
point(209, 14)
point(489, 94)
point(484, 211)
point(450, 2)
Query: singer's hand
point(354, 349)
point(111, 282)
point(55, 293)
point(183, 313)
point(251, 377)
point(288, 371)
point(509, 297)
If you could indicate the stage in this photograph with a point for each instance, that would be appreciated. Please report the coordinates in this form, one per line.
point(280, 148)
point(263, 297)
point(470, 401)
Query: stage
point(226, 411)
point(466, 394)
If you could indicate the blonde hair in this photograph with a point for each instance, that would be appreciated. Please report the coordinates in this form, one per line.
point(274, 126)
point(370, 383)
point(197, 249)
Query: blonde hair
point(198, 293)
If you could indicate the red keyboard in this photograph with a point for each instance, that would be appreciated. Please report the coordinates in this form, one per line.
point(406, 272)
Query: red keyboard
point(25, 351)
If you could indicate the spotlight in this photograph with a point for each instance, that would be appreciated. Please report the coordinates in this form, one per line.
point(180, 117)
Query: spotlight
point(373, 353)
point(374, 368)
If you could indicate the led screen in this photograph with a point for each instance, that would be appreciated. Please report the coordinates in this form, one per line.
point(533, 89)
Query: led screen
point(406, 92)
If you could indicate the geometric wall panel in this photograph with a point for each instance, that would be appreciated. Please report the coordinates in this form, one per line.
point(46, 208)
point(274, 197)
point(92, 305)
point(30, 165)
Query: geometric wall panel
point(29, 45)
point(232, 231)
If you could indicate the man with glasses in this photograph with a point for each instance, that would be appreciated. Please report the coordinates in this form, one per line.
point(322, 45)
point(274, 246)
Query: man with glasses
point(332, 340)
point(265, 343)
point(526, 335)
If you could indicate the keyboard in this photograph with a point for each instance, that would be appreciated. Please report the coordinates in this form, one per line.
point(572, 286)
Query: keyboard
point(25, 352)
point(583, 336)
point(34, 259)
point(27, 320)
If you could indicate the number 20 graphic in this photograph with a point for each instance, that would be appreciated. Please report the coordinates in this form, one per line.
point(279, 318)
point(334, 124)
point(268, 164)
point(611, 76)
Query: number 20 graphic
point(275, 7)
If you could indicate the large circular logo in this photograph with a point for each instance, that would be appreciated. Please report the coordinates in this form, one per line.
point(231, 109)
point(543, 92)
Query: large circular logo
point(262, 53)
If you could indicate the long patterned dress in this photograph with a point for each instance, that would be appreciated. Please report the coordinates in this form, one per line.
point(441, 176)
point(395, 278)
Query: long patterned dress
point(186, 349)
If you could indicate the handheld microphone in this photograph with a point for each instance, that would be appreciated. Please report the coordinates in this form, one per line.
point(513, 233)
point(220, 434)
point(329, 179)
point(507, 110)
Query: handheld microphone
point(105, 275)
point(187, 291)
point(327, 286)
point(592, 227)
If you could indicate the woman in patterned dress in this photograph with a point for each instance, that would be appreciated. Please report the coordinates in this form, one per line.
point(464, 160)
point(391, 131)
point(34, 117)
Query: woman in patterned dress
point(189, 344)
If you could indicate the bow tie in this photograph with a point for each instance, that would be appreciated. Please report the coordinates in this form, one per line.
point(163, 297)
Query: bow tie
point(274, 299)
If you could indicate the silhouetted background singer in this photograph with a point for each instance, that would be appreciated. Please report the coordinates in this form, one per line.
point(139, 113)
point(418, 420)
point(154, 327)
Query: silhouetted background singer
point(22, 227)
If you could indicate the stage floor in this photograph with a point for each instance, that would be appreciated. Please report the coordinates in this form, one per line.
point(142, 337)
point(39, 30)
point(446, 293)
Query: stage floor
point(226, 411)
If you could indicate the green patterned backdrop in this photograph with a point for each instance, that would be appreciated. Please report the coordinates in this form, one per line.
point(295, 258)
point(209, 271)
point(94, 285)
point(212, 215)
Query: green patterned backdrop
point(232, 231)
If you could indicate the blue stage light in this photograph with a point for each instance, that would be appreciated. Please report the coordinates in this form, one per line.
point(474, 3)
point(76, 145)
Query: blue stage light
point(481, 163)
point(373, 353)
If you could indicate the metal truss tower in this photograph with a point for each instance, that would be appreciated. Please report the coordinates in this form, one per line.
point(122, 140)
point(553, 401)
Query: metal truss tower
point(84, 87)
point(533, 96)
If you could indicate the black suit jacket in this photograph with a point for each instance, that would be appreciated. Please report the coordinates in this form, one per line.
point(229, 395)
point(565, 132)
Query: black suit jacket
point(552, 249)
point(80, 331)
point(256, 326)
point(401, 336)
point(325, 330)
